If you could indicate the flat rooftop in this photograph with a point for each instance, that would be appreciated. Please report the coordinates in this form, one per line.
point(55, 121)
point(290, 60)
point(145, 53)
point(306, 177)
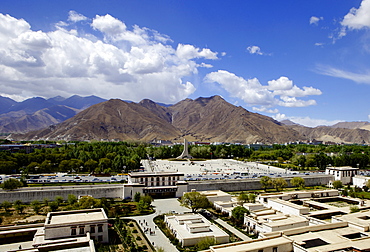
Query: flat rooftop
point(76, 216)
point(253, 245)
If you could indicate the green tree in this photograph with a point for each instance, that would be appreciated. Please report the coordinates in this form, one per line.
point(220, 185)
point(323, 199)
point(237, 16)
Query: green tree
point(53, 205)
point(90, 165)
point(6, 205)
point(194, 200)
point(71, 199)
point(252, 197)
point(11, 184)
point(337, 184)
point(19, 208)
point(243, 198)
point(137, 197)
point(266, 182)
point(298, 182)
point(88, 202)
point(279, 184)
point(36, 206)
point(59, 200)
point(238, 214)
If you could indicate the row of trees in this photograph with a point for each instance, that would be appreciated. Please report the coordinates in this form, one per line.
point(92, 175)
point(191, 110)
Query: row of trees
point(124, 157)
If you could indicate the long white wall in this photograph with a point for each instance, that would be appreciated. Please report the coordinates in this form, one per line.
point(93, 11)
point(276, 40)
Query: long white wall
point(29, 194)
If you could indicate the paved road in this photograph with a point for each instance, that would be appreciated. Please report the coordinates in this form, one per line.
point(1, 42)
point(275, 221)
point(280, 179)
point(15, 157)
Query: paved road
point(146, 222)
point(233, 230)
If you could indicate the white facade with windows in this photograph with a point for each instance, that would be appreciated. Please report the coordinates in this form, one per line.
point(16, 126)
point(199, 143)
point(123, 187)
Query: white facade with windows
point(74, 224)
point(344, 174)
point(155, 184)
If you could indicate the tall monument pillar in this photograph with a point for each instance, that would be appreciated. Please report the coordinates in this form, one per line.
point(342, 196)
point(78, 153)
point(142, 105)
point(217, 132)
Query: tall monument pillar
point(185, 152)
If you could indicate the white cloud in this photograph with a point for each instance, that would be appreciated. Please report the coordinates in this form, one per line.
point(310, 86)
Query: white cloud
point(254, 50)
point(266, 110)
point(358, 18)
point(280, 92)
point(315, 20)
point(334, 72)
point(108, 25)
point(306, 121)
point(190, 52)
point(128, 63)
point(76, 17)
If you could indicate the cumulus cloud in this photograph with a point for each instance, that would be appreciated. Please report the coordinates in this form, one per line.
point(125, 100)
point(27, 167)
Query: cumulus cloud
point(306, 121)
point(122, 62)
point(356, 18)
point(280, 92)
point(315, 20)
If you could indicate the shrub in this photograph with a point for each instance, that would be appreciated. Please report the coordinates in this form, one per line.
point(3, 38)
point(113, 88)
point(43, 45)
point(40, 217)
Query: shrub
point(354, 209)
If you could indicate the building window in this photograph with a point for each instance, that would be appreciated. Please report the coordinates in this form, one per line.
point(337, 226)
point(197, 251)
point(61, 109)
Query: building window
point(82, 230)
point(73, 231)
point(92, 229)
point(274, 249)
point(100, 238)
point(100, 228)
point(260, 250)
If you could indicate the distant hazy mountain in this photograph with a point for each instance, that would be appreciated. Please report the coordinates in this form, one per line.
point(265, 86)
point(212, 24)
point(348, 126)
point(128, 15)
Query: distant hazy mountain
point(352, 125)
point(288, 122)
point(37, 113)
point(5, 104)
point(76, 101)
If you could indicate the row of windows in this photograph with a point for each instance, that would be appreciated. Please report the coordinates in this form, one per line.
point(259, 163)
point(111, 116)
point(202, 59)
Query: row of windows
point(158, 179)
point(82, 229)
point(159, 184)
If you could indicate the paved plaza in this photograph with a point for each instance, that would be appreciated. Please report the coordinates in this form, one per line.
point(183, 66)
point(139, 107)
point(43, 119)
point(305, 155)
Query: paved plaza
point(225, 166)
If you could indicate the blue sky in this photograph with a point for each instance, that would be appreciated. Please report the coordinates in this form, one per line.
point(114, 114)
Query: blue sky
point(307, 61)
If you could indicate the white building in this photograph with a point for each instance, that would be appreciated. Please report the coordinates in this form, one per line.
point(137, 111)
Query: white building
point(189, 229)
point(155, 184)
point(216, 195)
point(360, 181)
point(269, 220)
point(73, 224)
point(344, 174)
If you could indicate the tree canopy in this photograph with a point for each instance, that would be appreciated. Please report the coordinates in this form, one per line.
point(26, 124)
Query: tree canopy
point(194, 201)
point(298, 182)
point(11, 184)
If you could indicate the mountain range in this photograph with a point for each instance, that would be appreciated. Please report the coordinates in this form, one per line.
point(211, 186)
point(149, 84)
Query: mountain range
point(203, 119)
point(37, 113)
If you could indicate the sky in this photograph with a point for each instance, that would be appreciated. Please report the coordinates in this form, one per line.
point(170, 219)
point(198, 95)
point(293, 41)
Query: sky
point(305, 61)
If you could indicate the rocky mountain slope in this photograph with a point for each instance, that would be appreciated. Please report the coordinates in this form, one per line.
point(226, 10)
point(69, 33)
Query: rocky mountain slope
point(204, 119)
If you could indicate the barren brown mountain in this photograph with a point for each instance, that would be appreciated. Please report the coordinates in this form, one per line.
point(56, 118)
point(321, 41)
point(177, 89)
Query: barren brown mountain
point(204, 119)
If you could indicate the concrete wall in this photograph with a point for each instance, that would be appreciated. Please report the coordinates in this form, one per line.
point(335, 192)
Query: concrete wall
point(251, 184)
point(29, 194)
